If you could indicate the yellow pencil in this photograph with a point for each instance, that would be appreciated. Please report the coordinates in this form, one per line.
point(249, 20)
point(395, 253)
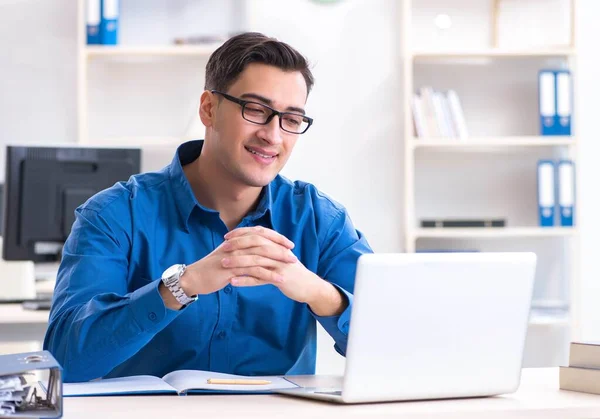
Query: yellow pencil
point(237, 381)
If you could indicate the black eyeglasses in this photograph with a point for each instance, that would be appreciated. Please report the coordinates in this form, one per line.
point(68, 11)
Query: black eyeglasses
point(261, 114)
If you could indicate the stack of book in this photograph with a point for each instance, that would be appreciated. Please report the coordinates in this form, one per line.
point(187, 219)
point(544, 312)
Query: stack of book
point(583, 372)
point(438, 114)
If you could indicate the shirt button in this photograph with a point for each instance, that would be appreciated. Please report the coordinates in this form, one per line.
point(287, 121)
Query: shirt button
point(222, 334)
point(152, 316)
point(227, 289)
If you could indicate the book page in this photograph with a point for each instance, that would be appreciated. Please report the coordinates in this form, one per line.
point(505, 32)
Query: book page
point(137, 384)
point(184, 380)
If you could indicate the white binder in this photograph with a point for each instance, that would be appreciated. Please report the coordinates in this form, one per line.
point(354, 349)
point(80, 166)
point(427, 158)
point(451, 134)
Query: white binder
point(546, 193)
point(566, 194)
point(564, 102)
point(547, 103)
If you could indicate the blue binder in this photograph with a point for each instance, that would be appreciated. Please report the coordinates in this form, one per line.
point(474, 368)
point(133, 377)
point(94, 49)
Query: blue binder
point(109, 25)
point(566, 192)
point(92, 13)
point(41, 399)
point(546, 192)
point(564, 102)
point(547, 102)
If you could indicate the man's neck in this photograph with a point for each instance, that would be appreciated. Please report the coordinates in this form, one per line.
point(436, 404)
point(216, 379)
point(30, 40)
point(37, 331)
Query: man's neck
point(215, 188)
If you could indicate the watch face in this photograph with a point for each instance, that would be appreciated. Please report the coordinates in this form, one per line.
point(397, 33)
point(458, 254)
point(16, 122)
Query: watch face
point(171, 271)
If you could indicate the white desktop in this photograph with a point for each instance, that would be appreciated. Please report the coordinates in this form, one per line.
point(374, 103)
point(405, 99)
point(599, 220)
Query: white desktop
point(17, 280)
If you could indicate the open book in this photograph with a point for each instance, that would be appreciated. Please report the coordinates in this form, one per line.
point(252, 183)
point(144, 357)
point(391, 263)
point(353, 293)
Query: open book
point(177, 382)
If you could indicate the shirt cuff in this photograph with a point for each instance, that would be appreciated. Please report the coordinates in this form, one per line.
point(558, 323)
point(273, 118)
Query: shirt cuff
point(148, 308)
point(337, 326)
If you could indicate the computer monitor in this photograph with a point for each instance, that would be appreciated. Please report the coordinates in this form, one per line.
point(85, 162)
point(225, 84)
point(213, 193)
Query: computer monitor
point(43, 187)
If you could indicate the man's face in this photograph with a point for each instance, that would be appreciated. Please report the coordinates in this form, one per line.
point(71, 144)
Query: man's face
point(254, 154)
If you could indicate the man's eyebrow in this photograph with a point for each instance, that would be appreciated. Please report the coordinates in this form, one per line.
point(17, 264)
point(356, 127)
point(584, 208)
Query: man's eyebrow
point(269, 102)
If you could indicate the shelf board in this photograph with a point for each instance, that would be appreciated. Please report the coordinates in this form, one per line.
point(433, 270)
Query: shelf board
point(493, 52)
point(494, 232)
point(493, 142)
point(548, 321)
point(158, 51)
point(134, 141)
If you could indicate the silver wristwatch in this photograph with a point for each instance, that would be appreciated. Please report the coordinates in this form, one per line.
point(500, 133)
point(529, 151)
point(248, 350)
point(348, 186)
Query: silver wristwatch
point(170, 278)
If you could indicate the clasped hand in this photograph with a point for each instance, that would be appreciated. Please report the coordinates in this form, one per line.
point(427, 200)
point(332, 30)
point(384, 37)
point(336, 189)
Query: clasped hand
point(253, 256)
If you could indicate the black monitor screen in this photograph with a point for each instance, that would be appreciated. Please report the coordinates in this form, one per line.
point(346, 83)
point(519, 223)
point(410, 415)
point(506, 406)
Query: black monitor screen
point(43, 187)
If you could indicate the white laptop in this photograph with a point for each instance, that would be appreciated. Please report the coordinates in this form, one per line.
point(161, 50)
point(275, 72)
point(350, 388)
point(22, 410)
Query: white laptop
point(434, 326)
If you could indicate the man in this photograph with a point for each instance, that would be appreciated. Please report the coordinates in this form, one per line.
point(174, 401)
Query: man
point(216, 262)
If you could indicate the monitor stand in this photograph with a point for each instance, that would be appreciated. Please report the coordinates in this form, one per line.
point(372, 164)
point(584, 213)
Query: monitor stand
point(17, 281)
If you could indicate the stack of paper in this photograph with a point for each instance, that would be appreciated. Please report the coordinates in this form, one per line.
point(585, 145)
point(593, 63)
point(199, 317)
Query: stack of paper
point(23, 392)
point(13, 393)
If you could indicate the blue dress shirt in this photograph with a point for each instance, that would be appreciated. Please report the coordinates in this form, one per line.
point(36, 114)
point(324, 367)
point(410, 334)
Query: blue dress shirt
point(109, 320)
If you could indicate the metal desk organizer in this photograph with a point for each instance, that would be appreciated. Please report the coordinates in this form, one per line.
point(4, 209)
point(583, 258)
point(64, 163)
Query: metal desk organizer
point(30, 386)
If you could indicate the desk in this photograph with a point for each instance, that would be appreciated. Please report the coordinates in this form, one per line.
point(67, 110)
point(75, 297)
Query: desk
point(24, 330)
point(15, 314)
point(21, 330)
point(538, 397)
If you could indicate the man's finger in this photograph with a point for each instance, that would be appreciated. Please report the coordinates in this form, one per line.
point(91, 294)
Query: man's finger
point(274, 252)
point(260, 273)
point(245, 242)
point(246, 281)
point(244, 261)
point(261, 231)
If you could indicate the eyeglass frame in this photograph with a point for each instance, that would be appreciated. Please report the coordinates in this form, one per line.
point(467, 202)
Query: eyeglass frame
point(274, 112)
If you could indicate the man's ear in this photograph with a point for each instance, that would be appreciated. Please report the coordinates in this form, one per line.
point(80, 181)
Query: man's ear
point(208, 108)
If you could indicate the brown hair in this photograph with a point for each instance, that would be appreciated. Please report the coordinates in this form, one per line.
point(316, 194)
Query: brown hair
point(230, 59)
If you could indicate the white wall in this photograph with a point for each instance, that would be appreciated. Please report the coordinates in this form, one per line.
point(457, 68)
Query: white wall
point(37, 72)
point(354, 150)
point(588, 33)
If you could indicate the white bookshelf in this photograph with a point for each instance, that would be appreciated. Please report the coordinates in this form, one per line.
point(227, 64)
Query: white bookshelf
point(492, 143)
point(165, 51)
point(476, 55)
point(560, 321)
point(494, 232)
point(492, 53)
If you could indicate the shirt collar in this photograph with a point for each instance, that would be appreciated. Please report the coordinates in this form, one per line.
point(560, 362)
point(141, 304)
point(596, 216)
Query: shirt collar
point(264, 207)
point(185, 200)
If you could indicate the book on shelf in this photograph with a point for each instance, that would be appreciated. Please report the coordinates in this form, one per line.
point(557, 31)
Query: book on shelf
point(555, 101)
point(109, 23)
point(566, 192)
point(102, 22)
point(93, 21)
point(438, 114)
point(583, 372)
point(556, 193)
